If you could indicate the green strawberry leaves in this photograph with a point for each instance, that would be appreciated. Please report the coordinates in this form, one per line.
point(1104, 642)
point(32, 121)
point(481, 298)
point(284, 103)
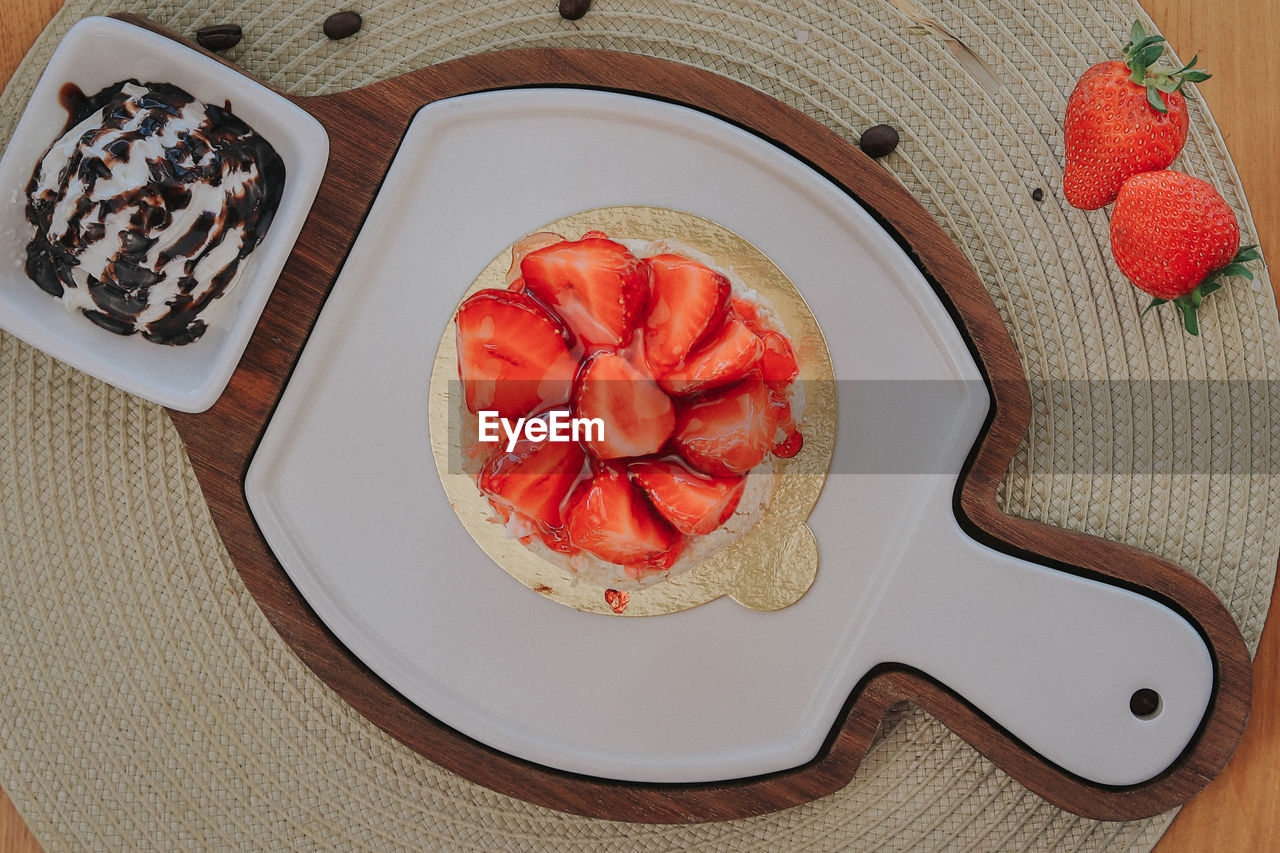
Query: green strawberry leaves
point(1189, 303)
point(1141, 54)
point(1154, 99)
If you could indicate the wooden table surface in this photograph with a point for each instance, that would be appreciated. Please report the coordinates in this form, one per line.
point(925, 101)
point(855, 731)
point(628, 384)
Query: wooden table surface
point(1238, 811)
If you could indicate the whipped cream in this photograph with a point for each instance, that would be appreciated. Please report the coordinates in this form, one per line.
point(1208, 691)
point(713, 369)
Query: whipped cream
point(145, 208)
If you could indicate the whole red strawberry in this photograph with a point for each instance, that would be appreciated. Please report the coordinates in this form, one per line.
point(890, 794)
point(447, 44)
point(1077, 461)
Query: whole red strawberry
point(1124, 118)
point(1175, 238)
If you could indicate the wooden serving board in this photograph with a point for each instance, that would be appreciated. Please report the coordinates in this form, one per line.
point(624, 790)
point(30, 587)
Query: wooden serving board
point(365, 127)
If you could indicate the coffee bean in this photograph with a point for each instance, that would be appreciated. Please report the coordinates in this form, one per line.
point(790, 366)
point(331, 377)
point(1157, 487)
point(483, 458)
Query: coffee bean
point(572, 10)
point(878, 141)
point(1037, 194)
point(340, 25)
point(219, 36)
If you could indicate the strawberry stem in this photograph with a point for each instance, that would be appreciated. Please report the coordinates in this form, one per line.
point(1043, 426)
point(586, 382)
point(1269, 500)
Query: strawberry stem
point(1142, 52)
point(1189, 303)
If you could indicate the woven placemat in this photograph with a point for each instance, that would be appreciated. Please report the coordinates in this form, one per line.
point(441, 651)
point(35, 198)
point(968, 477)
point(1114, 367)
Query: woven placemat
point(147, 701)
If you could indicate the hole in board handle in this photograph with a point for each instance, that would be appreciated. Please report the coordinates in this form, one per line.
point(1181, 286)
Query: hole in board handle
point(1145, 704)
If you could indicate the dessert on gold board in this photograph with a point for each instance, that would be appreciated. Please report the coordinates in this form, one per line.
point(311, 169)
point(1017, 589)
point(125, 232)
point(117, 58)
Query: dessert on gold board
point(673, 382)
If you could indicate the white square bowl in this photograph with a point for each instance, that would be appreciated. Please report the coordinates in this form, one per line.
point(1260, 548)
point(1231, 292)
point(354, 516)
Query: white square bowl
point(98, 52)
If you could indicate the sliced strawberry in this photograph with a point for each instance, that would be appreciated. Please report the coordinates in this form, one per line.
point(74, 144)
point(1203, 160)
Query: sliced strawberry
point(780, 403)
point(785, 425)
point(724, 359)
point(730, 432)
point(749, 313)
point(531, 481)
point(595, 285)
point(638, 417)
point(694, 503)
point(612, 519)
point(525, 245)
point(778, 365)
point(513, 356)
point(687, 303)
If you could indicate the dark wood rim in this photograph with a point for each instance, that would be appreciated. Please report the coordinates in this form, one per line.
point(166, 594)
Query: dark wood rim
point(220, 443)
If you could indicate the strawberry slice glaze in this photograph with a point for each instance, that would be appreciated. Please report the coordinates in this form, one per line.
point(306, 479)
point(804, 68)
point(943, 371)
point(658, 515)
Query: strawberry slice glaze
point(727, 357)
point(638, 416)
point(728, 433)
point(597, 287)
point(530, 482)
point(778, 363)
point(611, 518)
point(687, 303)
point(694, 503)
point(513, 355)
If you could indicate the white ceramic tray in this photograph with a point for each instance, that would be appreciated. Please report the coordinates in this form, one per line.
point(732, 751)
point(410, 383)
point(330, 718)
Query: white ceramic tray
point(345, 490)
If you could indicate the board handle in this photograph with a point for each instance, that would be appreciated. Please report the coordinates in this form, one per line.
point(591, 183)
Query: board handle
point(1107, 684)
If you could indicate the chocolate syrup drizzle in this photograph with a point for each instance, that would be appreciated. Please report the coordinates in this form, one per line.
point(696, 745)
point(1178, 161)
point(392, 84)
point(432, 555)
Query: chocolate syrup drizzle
point(121, 293)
